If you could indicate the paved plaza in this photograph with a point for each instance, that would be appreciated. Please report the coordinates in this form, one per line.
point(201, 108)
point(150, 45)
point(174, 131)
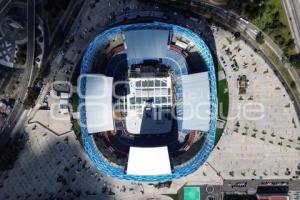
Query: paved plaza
point(256, 143)
point(50, 165)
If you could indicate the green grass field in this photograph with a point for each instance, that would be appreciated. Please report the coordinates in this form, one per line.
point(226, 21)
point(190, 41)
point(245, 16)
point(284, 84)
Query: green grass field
point(223, 98)
point(219, 67)
point(218, 135)
point(75, 102)
point(77, 130)
point(273, 21)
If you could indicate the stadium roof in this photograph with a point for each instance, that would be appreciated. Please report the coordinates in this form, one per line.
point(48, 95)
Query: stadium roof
point(146, 44)
point(98, 102)
point(148, 161)
point(87, 64)
point(196, 101)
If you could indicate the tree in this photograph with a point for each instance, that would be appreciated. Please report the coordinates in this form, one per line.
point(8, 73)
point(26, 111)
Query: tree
point(290, 43)
point(10, 154)
point(61, 179)
point(38, 49)
point(293, 84)
point(32, 95)
point(21, 54)
point(260, 37)
point(294, 58)
point(237, 35)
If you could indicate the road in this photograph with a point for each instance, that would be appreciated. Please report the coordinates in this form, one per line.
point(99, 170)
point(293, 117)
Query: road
point(64, 20)
point(292, 9)
point(251, 30)
point(3, 5)
point(30, 39)
point(18, 109)
point(251, 185)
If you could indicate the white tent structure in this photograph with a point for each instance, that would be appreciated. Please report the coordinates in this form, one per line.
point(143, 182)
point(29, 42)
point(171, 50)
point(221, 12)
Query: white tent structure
point(148, 161)
point(98, 102)
point(196, 101)
point(181, 44)
point(146, 44)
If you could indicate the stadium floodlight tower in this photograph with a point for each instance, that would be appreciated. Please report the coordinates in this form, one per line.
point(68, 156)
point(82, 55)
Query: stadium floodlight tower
point(147, 95)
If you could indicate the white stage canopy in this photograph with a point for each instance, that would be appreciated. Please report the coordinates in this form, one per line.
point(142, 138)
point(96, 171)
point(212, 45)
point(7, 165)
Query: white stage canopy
point(148, 161)
point(98, 102)
point(196, 101)
point(146, 44)
point(181, 44)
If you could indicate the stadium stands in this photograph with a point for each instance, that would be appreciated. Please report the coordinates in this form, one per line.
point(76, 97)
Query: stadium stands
point(179, 66)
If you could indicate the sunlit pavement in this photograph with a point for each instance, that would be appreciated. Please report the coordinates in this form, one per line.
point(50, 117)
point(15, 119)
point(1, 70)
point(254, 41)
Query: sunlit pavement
point(255, 148)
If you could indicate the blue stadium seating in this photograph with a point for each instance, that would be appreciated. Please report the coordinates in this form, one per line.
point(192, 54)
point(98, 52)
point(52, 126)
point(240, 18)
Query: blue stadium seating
point(180, 67)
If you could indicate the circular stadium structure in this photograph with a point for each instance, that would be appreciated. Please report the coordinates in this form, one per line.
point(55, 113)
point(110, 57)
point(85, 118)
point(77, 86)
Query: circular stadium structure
point(148, 102)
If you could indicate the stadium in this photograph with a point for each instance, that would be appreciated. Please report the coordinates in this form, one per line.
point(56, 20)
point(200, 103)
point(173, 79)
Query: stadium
point(148, 102)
